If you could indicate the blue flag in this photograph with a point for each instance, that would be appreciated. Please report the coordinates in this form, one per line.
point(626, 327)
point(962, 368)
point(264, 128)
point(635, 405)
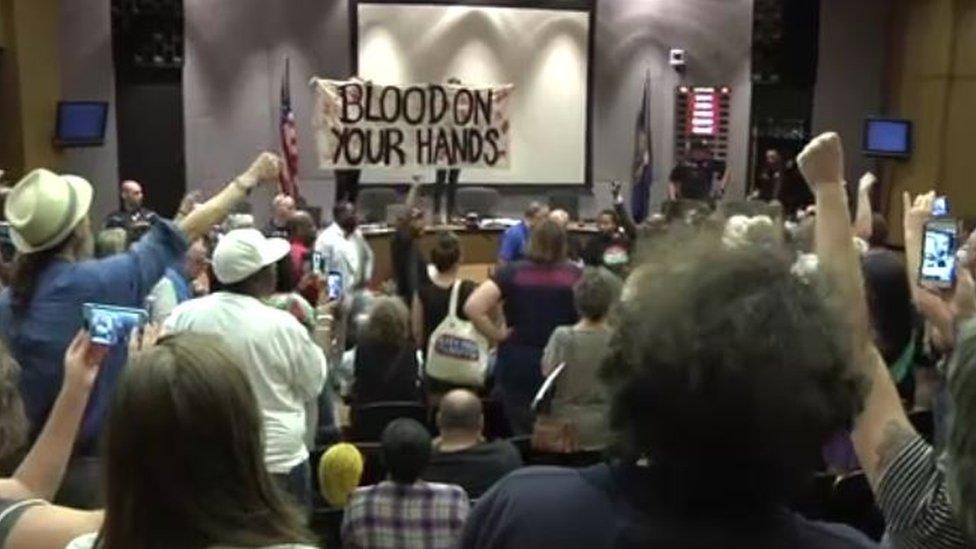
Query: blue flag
point(640, 196)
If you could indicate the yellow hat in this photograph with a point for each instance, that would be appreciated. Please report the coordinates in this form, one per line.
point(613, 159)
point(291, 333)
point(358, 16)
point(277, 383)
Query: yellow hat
point(340, 469)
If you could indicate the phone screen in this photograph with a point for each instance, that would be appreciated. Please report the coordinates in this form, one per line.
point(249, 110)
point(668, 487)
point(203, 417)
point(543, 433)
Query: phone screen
point(317, 261)
point(334, 283)
point(109, 325)
point(938, 265)
point(940, 206)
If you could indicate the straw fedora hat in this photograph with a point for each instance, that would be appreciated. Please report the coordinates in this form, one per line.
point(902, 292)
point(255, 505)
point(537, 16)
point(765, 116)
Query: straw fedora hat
point(44, 207)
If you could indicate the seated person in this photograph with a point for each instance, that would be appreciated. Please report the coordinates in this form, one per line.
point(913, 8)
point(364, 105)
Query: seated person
point(340, 470)
point(713, 427)
point(184, 456)
point(580, 396)
point(461, 455)
point(385, 367)
point(405, 512)
point(26, 517)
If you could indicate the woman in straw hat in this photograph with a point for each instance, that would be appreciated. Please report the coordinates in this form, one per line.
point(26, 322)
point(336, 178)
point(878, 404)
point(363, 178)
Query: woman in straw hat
point(53, 276)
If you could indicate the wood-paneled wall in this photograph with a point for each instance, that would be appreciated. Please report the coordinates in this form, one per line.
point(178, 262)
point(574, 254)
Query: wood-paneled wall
point(931, 79)
point(30, 85)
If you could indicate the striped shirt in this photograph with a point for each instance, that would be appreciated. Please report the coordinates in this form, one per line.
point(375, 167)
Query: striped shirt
point(914, 498)
point(421, 515)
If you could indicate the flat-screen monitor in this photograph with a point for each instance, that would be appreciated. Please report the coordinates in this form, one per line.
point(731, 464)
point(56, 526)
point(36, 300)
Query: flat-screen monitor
point(81, 123)
point(887, 137)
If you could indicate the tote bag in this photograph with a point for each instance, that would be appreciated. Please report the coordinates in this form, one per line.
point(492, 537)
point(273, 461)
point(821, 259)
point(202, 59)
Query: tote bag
point(457, 353)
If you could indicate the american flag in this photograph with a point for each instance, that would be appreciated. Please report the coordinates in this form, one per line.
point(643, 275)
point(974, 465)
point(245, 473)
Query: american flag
point(288, 180)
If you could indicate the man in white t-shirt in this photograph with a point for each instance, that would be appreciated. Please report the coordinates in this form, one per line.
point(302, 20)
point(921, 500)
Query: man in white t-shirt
point(286, 368)
point(345, 250)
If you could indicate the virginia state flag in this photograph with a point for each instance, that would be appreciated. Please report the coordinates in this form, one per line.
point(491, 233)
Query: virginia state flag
point(640, 196)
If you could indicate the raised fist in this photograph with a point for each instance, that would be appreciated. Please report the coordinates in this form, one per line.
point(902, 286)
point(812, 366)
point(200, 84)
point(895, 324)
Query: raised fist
point(822, 160)
point(265, 167)
point(867, 181)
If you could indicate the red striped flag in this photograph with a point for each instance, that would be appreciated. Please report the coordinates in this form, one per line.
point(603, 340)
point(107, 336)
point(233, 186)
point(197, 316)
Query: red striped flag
point(288, 180)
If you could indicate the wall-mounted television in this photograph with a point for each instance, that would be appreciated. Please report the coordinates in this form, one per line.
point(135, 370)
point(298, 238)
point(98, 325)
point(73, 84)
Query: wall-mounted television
point(887, 137)
point(81, 123)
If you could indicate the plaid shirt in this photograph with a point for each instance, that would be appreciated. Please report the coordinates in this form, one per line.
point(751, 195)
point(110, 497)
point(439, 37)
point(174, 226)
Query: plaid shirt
point(388, 515)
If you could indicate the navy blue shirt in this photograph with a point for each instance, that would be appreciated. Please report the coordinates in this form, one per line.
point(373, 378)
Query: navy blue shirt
point(537, 298)
point(612, 506)
point(39, 335)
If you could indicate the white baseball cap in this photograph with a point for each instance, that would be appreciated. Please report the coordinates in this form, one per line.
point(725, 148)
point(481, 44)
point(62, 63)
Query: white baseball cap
point(243, 252)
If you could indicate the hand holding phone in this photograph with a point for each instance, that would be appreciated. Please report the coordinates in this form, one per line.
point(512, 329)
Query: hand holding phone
point(334, 285)
point(109, 325)
point(940, 242)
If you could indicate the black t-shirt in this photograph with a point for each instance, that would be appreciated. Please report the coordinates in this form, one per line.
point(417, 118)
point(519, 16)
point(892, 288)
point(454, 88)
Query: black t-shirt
point(435, 299)
point(385, 372)
point(409, 265)
point(610, 251)
point(614, 506)
point(476, 469)
point(695, 179)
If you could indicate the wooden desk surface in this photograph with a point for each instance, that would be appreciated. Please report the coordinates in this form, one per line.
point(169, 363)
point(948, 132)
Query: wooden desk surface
point(479, 248)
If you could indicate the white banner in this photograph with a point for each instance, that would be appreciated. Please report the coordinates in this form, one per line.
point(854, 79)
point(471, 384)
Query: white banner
point(365, 125)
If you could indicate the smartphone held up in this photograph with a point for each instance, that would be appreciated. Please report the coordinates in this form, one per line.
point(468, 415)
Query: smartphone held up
point(940, 242)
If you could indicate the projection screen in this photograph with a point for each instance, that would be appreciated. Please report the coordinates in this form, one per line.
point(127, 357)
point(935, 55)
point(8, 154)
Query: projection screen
point(543, 52)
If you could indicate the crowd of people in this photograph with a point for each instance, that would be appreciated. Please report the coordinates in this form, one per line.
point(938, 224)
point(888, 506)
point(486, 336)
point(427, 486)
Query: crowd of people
point(693, 372)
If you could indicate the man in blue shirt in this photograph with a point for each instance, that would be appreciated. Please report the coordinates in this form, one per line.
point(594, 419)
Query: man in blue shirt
point(41, 311)
point(516, 238)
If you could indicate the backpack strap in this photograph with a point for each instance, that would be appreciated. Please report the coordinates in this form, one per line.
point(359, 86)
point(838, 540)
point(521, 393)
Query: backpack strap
point(452, 306)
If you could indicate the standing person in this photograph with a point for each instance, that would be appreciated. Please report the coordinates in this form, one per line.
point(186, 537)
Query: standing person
point(409, 264)
point(346, 251)
point(183, 456)
point(715, 428)
point(405, 512)
point(285, 367)
point(537, 296)
point(447, 179)
point(769, 179)
point(430, 302)
point(611, 246)
point(282, 208)
point(516, 238)
point(301, 235)
point(347, 185)
point(180, 283)
point(41, 310)
point(27, 520)
point(579, 396)
point(131, 216)
point(699, 176)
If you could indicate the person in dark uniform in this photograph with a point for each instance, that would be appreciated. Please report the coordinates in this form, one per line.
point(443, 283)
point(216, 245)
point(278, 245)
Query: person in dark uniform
point(699, 176)
point(769, 180)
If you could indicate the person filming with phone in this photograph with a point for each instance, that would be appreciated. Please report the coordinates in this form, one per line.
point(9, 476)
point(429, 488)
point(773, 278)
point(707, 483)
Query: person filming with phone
point(54, 275)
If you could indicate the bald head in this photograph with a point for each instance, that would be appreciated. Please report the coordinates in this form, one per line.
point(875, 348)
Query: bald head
point(131, 194)
point(282, 207)
point(560, 217)
point(460, 411)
